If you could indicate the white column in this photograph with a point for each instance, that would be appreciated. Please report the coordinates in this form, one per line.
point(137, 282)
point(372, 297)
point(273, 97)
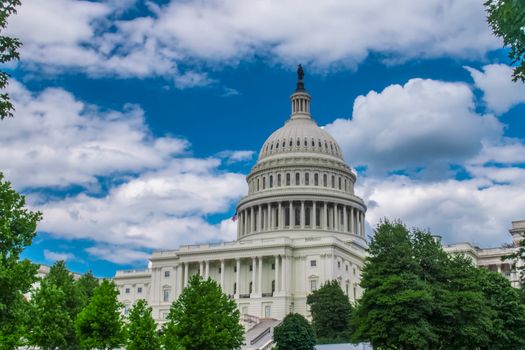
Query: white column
point(254, 267)
point(336, 217)
point(201, 268)
point(259, 281)
point(358, 224)
point(313, 217)
point(345, 219)
point(207, 270)
point(277, 284)
point(325, 216)
point(238, 215)
point(269, 217)
point(259, 218)
point(284, 285)
point(238, 277)
point(352, 224)
point(186, 273)
point(180, 280)
point(302, 214)
point(222, 274)
point(292, 215)
point(280, 216)
point(363, 224)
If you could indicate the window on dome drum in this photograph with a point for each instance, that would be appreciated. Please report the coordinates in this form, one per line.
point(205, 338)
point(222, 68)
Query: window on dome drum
point(264, 182)
point(257, 184)
point(288, 179)
point(297, 215)
point(325, 180)
point(127, 290)
point(316, 179)
point(346, 186)
point(139, 290)
point(298, 143)
point(305, 143)
point(339, 183)
point(286, 216)
point(338, 264)
point(347, 268)
point(319, 144)
point(291, 143)
point(278, 180)
point(306, 179)
point(166, 274)
point(333, 181)
point(271, 181)
point(297, 179)
point(166, 296)
point(313, 143)
point(307, 216)
point(277, 145)
point(313, 285)
point(313, 263)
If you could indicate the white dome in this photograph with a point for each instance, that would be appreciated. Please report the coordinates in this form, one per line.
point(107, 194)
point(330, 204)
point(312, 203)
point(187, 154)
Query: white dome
point(300, 135)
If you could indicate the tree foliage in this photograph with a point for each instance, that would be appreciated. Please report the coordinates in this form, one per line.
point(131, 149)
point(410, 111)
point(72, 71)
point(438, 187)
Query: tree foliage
point(203, 317)
point(86, 285)
point(99, 325)
point(294, 333)
point(8, 52)
point(331, 312)
point(17, 230)
point(50, 319)
point(142, 329)
point(507, 19)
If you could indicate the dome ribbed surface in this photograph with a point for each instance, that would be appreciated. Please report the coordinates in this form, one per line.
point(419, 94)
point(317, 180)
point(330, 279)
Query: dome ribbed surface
point(301, 135)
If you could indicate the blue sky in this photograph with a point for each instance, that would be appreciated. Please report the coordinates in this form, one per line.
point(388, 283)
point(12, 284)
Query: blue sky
point(136, 122)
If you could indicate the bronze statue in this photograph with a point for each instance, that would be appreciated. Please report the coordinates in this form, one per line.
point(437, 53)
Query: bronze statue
point(300, 72)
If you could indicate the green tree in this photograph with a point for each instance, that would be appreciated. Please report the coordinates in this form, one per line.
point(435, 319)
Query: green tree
point(507, 19)
point(8, 52)
point(394, 310)
point(508, 325)
point(294, 333)
point(49, 318)
point(86, 285)
point(331, 312)
point(17, 230)
point(142, 329)
point(203, 317)
point(99, 325)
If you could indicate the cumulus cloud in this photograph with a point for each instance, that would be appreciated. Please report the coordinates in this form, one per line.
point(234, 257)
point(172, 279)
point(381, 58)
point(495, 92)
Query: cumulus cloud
point(118, 255)
point(236, 156)
point(55, 256)
point(58, 141)
point(500, 93)
point(424, 123)
point(97, 38)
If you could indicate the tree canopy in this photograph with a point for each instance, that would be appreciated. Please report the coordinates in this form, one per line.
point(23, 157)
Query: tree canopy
point(203, 317)
point(8, 52)
point(141, 328)
point(17, 230)
point(99, 325)
point(331, 312)
point(294, 333)
point(507, 19)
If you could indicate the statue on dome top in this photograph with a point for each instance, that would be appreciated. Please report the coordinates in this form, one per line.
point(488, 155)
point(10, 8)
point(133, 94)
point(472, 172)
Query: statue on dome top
point(300, 72)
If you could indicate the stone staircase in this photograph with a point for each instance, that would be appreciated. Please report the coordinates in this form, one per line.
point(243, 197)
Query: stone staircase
point(260, 336)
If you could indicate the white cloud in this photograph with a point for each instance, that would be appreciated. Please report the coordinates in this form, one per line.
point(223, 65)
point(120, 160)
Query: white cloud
point(478, 210)
point(236, 156)
point(55, 256)
point(424, 123)
point(118, 255)
point(57, 140)
point(95, 38)
point(500, 93)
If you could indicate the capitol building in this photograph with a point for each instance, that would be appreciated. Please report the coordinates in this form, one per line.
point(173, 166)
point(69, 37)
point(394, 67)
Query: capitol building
point(299, 226)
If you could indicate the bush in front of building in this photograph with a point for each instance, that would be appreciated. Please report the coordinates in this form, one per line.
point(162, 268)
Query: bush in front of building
point(294, 333)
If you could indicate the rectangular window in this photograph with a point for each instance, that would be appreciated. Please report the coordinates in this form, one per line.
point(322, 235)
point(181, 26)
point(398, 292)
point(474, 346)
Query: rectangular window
point(139, 290)
point(267, 311)
point(278, 179)
point(235, 268)
point(306, 179)
point(333, 181)
point(297, 179)
point(273, 266)
point(288, 179)
point(313, 285)
point(338, 264)
point(316, 179)
point(251, 267)
point(127, 290)
point(313, 263)
point(166, 274)
point(220, 270)
point(166, 296)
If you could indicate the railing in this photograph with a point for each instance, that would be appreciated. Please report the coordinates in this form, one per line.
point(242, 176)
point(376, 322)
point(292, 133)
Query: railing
point(250, 319)
point(260, 336)
point(244, 296)
point(267, 294)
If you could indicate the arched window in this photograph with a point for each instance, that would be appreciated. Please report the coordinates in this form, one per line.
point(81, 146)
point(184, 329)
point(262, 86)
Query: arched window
point(298, 143)
point(297, 179)
point(325, 180)
point(313, 143)
point(333, 181)
point(288, 179)
point(339, 183)
point(305, 142)
point(346, 186)
point(307, 179)
point(271, 181)
point(257, 184)
point(264, 182)
point(278, 180)
point(316, 179)
point(277, 145)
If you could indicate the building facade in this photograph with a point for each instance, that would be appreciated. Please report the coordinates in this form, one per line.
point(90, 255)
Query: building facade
point(300, 225)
